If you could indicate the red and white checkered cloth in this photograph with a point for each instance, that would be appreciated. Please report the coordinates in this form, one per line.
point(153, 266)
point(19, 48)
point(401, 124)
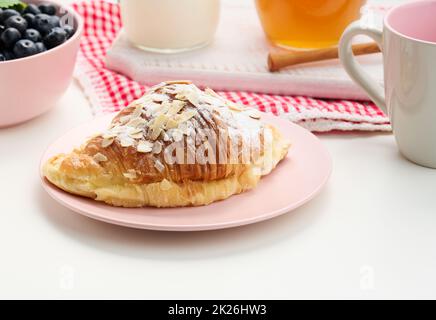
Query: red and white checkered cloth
point(109, 91)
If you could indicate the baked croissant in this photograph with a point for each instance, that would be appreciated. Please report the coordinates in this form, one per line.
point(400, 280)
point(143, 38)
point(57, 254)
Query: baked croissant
point(176, 146)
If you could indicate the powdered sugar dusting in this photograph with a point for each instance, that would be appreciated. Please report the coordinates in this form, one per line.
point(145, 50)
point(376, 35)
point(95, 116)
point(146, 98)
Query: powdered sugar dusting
point(172, 110)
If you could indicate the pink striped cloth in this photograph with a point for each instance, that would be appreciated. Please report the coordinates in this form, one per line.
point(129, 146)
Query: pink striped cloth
point(109, 91)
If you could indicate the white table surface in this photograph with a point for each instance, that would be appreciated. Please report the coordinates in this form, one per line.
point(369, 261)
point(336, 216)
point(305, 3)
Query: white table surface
point(370, 234)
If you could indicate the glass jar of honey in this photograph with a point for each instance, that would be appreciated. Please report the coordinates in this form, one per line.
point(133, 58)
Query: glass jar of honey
point(307, 24)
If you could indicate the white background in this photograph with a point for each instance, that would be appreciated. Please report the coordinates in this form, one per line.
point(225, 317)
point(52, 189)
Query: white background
point(370, 234)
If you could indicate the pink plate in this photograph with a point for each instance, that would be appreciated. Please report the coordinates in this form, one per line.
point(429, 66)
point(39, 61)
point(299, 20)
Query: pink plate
point(294, 182)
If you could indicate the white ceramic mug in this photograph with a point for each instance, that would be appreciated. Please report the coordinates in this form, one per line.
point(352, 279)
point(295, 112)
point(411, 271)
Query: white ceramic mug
point(169, 26)
point(408, 42)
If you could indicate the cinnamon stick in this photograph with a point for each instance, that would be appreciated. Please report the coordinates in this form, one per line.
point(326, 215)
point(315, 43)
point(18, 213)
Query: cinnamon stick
point(279, 60)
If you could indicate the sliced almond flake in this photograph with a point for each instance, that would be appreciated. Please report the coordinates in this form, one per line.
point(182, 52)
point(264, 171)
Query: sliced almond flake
point(157, 147)
point(185, 116)
point(118, 129)
point(130, 174)
point(106, 142)
point(125, 119)
point(166, 137)
point(181, 96)
point(136, 136)
point(156, 87)
point(159, 123)
point(137, 123)
point(133, 130)
point(155, 133)
point(162, 109)
point(144, 146)
point(193, 98)
point(175, 107)
point(178, 82)
point(151, 108)
point(172, 123)
point(109, 135)
point(99, 157)
point(212, 93)
point(235, 107)
point(126, 142)
point(165, 185)
point(135, 133)
point(144, 100)
point(159, 97)
point(169, 89)
point(254, 114)
point(137, 112)
point(177, 135)
point(159, 166)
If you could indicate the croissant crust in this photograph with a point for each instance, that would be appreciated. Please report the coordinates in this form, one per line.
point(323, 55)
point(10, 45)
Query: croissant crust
point(176, 146)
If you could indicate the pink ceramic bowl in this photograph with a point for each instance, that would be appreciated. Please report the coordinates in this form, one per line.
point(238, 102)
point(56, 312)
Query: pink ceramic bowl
point(31, 86)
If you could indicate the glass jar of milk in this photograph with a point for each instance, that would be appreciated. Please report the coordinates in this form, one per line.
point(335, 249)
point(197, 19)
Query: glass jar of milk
point(170, 26)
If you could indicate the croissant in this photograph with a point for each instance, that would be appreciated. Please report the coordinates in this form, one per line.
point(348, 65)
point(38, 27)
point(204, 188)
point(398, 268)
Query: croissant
point(176, 146)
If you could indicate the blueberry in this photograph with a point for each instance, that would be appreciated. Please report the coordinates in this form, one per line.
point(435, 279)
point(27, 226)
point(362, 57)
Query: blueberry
point(25, 48)
point(56, 37)
point(32, 9)
point(32, 34)
point(30, 18)
point(6, 14)
point(8, 54)
point(40, 47)
point(10, 36)
point(47, 8)
point(17, 22)
point(42, 23)
point(55, 21)
point(69, 30)
point(2, 57)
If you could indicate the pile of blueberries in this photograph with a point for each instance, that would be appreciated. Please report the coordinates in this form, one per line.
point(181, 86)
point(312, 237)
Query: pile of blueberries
point(33, 30)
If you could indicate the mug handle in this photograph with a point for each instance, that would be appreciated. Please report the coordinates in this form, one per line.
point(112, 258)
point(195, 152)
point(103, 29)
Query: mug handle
point(354, 69)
